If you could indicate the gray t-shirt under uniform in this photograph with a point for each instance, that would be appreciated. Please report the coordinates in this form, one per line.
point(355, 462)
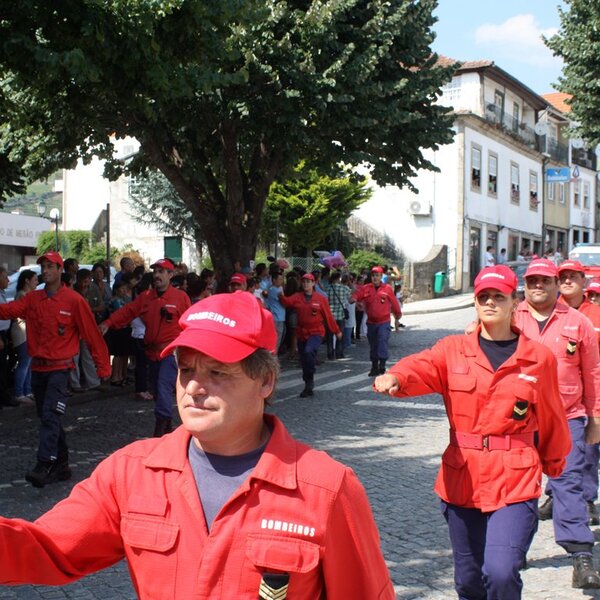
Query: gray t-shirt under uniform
point(217, 477)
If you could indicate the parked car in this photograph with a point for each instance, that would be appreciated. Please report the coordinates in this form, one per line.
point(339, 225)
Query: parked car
point(11, 290)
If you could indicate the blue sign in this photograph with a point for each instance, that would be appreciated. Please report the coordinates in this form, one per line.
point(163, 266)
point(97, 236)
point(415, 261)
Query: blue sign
point(562, 175)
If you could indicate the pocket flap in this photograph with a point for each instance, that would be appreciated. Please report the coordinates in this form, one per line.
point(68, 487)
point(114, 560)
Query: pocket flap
point(462, 383)
point(148, 533)
point(521, 458)
point(524, 391)
point(282, 554)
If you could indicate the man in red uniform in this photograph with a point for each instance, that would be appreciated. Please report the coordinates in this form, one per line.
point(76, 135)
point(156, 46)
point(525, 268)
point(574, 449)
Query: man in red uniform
point(379, 301)
point(227, 507)
point(57, 317)
point(160, 309)
point(571, 276)
point(311, 309)
point(571, 337)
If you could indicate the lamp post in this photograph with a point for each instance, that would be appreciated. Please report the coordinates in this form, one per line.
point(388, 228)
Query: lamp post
point(41, 208)
point(54, 215)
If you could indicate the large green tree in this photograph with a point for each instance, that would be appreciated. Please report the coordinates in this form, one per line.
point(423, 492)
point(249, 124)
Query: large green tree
point(223, 95)
point(578, 44)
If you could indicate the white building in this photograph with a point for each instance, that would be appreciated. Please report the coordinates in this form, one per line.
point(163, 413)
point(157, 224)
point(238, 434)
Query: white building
point(489, 191)
point(88, 196)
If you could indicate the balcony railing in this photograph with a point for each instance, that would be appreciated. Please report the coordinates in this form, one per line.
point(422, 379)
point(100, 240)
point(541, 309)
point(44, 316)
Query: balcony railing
point(510, 125)
point(558, 151)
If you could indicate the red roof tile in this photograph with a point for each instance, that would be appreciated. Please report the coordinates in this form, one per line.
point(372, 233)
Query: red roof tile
point(558, 101)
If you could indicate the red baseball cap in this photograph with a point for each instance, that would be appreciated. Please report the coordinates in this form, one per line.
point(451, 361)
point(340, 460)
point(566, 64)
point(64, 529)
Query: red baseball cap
point(163, 263)
point(571, 265)
point(308, 276)
point(377, 270)
point(238, 278)
point(593, 286)
point(498, 277)
point(53, 257)
point(542, 266)
point(226, 327)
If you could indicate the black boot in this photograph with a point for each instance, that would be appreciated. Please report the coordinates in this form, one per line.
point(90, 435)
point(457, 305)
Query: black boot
point(545, 510)
point(309, 385)
point(48, 471)
point(374, 369)
point(584, 575)
point(381, 366)
point(163, 425)
point(593, 517)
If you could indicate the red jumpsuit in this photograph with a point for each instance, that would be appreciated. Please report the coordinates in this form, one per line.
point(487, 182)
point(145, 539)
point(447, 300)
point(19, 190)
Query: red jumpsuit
point(55, 325)
point(299, 512)
point(160, 314)
point(379, 302)
point(480, 402)
point(311, 314)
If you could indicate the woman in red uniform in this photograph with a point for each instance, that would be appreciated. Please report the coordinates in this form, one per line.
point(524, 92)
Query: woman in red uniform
point(507, 425)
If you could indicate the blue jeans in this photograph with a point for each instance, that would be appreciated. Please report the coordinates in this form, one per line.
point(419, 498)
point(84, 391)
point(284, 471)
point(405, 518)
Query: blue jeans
point(307, 349)
point(163, 375)
point(23, 371)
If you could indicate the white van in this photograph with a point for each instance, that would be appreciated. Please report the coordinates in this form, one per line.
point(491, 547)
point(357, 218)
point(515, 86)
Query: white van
point(589, 256)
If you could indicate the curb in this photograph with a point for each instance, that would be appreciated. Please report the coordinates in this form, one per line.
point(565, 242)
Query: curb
point(424, 311)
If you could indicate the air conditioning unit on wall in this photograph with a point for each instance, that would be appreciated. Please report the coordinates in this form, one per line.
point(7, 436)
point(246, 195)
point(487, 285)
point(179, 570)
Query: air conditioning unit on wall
point(419, 208)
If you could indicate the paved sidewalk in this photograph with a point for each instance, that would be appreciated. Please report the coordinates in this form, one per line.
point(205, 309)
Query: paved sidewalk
point(435, 305)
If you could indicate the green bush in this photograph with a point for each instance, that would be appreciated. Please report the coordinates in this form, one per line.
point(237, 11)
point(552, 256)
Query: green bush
point(361, 260)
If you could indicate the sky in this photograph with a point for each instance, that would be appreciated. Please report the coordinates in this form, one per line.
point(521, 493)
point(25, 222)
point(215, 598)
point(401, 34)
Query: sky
point(507, 32)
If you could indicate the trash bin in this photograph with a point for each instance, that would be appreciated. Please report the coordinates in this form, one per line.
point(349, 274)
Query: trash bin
point(439, 282)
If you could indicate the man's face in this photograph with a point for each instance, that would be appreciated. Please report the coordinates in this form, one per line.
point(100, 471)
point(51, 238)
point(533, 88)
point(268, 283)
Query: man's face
point(161, 278)
point(50, 272)
point(98, 274)
point(571, 284)
point(308, 285)
point(278, 280)
point(376, 278)
point(541, 291)
point(3, 279)
point(74, 268)
point(218, 403)
point(594, 298)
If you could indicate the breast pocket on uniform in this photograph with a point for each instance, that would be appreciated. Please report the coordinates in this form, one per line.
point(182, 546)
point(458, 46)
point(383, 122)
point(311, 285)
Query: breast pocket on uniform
point(462, 393)
point(280, 565)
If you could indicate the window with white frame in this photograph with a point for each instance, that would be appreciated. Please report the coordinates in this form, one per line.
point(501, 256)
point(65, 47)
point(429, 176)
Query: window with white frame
point(561, 193)
point(550, 192)
point(515, 188)
point(451, 91)
point(586, 194)
point(577, 193)
point(516, 115)
point(492, 174)
point(475, 168)
point(533, 191)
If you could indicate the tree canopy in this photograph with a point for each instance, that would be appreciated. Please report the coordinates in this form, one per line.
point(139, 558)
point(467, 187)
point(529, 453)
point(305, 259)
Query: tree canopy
point(578, 44)
point(224, 96)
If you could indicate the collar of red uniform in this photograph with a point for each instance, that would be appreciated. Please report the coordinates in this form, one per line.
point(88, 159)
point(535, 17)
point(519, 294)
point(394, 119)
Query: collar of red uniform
point(472, 347)
point(559, 307)
point(277, 465)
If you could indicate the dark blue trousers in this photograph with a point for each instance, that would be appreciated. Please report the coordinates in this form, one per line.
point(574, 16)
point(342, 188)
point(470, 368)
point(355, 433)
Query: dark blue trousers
point(489, 549)
point(590, 472)
point(163, 376)
point(307, 350)
point(569, 510)
point(50, 392)
point(378, 336)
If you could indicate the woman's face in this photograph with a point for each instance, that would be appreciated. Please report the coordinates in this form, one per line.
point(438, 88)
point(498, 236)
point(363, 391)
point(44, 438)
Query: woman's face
point(32, 283)
point(494, 307)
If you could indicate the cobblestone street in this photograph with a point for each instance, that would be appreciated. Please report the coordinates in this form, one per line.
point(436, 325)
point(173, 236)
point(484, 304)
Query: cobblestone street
point(394, 446)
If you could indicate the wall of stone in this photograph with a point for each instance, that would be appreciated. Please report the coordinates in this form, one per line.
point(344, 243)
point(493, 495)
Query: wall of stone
point(421, 275)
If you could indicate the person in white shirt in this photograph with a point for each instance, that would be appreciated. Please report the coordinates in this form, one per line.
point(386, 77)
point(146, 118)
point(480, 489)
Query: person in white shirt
point(490, 260)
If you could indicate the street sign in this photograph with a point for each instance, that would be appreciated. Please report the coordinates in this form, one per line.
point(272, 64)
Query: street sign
point(561, 175)
point(576, 172)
